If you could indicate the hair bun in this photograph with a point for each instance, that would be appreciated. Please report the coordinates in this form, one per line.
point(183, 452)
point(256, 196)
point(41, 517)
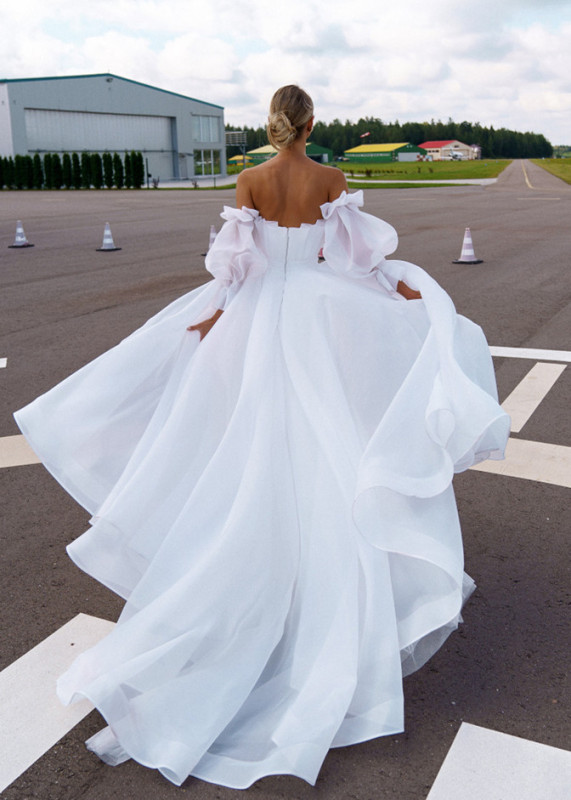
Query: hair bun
point(280, 130)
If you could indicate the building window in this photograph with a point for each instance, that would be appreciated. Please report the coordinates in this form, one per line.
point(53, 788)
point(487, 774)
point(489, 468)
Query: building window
point(205, 129)
point(207, 162)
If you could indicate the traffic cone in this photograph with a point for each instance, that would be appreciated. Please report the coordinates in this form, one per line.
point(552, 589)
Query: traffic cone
point(467, 256)
point(211, 239)
point(20, 240)
point(108, 243)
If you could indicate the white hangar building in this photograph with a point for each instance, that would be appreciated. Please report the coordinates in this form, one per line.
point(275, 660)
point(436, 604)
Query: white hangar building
point(179, 136)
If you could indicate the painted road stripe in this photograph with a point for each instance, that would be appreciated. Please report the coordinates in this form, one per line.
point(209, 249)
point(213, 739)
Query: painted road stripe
point(32, 719)
point(3, 363)
point(531, 353)
point(529, 393)
point(533, 461)
point(16, 452)
point(525, 176)
point(488, 765)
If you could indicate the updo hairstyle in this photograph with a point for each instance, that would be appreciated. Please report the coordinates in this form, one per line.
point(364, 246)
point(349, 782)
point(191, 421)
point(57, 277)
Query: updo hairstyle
point(290, 110)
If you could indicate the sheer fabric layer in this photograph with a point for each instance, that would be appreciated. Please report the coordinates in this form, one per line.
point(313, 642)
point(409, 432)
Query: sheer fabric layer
point(274, 503)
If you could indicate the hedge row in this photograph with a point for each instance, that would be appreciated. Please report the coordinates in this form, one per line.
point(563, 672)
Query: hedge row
point(85, 171)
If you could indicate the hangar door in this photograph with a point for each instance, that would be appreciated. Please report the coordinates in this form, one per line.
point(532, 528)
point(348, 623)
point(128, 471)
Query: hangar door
point(68, 131)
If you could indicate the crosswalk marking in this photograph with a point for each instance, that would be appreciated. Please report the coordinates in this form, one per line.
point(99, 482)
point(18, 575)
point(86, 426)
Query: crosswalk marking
point(534, 461)
point(32, 719)
point(529, 393)
point(16, 452)
point(531, 353)
point(3, 363)
point(487, 765)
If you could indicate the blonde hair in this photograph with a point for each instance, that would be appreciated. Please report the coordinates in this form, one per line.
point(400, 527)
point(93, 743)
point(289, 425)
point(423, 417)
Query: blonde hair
point(290, 110)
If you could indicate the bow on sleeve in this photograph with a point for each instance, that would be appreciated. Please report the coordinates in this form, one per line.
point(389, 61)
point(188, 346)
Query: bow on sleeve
point(234, 255)
point(355, 243)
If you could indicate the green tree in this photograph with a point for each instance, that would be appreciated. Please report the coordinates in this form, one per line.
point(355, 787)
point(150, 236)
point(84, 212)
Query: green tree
point(2, 173)
point(29, 170)
point(118, 176)
point(128, 171)
point(86, 170)
point(96, 171)
point(19, 172)
point(38, 180)
point(57, 172)
point(75, 171)
point(48, 174)
point(9, 170)
point(108, 170)
point(66, 171)
point(138, 169)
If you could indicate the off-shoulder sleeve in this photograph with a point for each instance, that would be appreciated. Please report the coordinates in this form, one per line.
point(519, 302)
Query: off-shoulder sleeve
point(235, 255)
point(356, 243)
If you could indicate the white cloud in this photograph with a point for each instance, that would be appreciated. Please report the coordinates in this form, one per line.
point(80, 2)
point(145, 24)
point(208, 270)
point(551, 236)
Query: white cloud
point(506, 64)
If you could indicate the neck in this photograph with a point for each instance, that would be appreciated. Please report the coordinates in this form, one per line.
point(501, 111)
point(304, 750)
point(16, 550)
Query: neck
point(295, 150)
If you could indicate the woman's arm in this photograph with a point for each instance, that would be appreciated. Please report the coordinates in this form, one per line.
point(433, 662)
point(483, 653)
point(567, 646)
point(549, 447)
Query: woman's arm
point(243, 191)
point(407, 292)
point(204, 327)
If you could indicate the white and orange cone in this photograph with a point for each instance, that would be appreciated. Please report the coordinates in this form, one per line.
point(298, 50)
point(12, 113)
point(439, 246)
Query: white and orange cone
point(108, 243)
point(467, 256)
point(20, 240)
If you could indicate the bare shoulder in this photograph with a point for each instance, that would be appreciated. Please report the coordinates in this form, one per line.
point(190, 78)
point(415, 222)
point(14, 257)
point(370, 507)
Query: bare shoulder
point(333, 179)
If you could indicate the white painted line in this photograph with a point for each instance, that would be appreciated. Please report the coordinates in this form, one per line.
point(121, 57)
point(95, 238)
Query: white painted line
point(529, 393)
point(531, 353)
point(16, 452)
point(3, 363)
point(32, 719)
point(525, 176)
point(533, 461)
point(488, 765)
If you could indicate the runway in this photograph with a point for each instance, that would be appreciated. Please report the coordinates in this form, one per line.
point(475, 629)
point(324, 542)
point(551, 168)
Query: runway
point(488, 714)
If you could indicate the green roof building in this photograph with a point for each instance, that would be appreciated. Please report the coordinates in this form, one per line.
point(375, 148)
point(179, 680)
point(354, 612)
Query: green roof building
point(314, 151)
point(401, 151)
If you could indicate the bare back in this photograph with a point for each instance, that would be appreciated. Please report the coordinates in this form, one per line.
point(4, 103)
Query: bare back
point(289, 188)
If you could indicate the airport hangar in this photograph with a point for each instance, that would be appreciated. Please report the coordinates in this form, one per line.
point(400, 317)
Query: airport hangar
point(179, 136)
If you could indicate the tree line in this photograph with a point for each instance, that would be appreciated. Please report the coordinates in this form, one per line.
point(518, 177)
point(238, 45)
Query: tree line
point(340, 136)
point(73, 171)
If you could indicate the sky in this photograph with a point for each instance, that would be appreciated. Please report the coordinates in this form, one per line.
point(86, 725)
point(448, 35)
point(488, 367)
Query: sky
point(505, 63)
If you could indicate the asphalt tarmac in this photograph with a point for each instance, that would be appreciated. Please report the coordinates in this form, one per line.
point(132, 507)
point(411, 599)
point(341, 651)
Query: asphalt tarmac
point(62, 303)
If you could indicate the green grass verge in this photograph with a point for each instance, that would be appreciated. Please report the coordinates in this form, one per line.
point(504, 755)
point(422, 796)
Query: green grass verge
point(395, 185)
point(560, 167)
point(425, 170)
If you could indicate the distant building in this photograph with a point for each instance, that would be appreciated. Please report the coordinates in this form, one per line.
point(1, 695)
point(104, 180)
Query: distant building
point(179, 136)
point(401, 151)
point(450, 150)
point(314, 151)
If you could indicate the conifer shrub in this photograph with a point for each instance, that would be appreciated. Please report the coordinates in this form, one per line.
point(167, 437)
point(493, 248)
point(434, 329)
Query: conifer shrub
point(38, 176)
point(75, 171)
point(108, 170)
point(57, 172)
point(66, 171)
point(96, 171)
point(128, 171)
point(86, 170)
point(48, 173)
point(118, 175)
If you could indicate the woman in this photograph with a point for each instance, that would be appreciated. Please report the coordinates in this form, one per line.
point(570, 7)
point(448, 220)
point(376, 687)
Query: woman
point(272, 497)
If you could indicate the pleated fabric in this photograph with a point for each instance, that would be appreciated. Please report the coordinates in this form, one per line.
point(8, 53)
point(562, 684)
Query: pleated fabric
point(274, 502)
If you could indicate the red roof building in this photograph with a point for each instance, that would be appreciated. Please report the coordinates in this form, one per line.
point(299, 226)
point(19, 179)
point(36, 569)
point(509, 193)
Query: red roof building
point(449, 150)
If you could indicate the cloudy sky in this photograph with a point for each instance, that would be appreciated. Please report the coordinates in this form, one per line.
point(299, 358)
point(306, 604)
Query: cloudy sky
point(499, 62)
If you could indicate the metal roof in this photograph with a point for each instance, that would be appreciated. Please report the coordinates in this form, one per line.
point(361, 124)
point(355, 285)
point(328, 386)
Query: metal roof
point(376, 148)
point(438, 143)
point(106, 75)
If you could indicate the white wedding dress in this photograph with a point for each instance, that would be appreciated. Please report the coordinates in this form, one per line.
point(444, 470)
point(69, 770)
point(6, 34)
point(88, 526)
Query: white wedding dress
point(273, 502)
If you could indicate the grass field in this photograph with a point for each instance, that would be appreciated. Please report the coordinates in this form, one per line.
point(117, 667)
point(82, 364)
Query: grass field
point(560, 167)
point(425, 170)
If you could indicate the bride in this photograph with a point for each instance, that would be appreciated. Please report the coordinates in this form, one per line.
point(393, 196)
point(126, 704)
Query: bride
point(271, 485)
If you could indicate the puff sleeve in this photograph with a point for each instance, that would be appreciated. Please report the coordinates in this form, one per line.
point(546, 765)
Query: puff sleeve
point(235, 254)
point(356, 243)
